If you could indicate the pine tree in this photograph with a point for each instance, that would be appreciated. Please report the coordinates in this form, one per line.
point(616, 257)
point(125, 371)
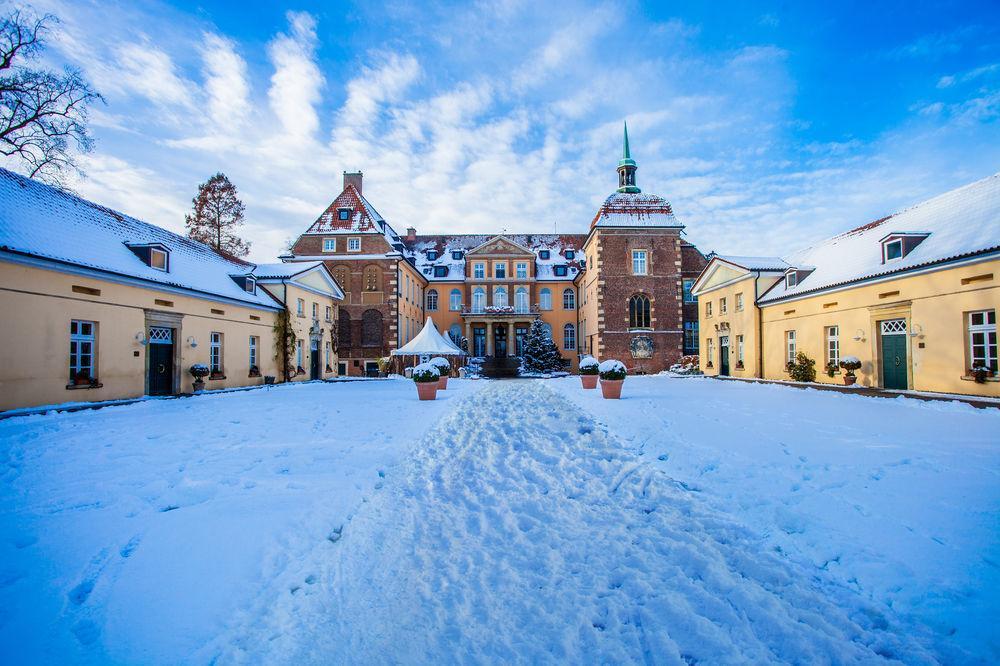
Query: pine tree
point(217, 212)
point(540, 354)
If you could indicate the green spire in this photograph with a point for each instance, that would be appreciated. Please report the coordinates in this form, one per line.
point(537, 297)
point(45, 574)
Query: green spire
point(626, 154)
point(626, 168)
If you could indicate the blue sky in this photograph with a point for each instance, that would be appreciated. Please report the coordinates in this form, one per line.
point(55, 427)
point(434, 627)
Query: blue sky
point(767, 125)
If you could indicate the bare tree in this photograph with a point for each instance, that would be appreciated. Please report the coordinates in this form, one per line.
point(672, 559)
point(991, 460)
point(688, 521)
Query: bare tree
point(217, 212)
point(41, 112)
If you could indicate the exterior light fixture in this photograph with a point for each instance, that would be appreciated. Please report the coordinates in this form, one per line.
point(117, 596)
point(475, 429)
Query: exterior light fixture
point(140, 337)
point(191, 341)
point(859, 336)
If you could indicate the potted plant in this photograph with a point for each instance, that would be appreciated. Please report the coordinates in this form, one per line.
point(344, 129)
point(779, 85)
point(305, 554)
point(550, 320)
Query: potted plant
point(443, 367)
point(612, 375)
point(254, 371)
point(831, 369)
point(803, 369)
point(300, 370)
point(81, 378)
point(426, 377)
point(979, 372)
point(268, 379)
point(850, 364)
point(199, 371)
point(588, 372)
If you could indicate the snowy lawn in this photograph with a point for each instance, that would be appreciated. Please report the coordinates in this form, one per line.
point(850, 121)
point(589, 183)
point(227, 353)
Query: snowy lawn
point(898, 499)
point(134, 534)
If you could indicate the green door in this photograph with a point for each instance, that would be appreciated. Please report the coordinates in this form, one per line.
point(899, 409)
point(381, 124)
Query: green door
point(894, 355)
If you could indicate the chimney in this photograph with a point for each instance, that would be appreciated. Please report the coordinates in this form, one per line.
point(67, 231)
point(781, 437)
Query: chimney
point(353, 178)
point(411, 234)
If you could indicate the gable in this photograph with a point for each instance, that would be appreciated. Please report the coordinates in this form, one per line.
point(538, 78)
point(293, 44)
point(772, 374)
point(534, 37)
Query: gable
point(720, 274)
point(500, 245)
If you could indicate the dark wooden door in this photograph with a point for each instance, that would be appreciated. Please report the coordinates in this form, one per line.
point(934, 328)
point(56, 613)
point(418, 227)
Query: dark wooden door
point(315, 358)
point(724, 356)
point(894, 374)
point(161, 361)
point(500, 341)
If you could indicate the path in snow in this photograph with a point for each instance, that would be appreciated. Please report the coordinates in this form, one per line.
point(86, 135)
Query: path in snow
point(520, 530)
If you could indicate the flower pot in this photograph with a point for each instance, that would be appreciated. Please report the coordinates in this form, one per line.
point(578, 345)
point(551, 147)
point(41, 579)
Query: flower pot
point(427, 390)
point(612, 388)
point(849, 380)
point(198, 385)
point(443, 382)
point(588, 381)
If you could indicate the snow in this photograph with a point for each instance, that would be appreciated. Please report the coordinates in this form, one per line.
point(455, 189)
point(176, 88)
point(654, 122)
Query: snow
point(424, 370)
point(445, 245)
point(511, 521)
point(753, 263)
point(626, 209)
point(441, 363)
point(960, 222)
point(611, 365)
point(589, 362)
point(428, 342)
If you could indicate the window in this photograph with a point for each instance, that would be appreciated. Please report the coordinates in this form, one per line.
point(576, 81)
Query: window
point(569, 337)
point(569, 299)
point(440, 271)
point(983, 339)
point(639, 262)
point(478, 300)
point(544, 254)
point(833, 345)
point(456, 255)
point(892, 250)
point(432, 299)
point(688, 296)
point(327, 352)
point(354, 245)
point(250, 285)
point(739, 302)
point(371, 328)
point(215, 352)
point(500, 297)
point(522, 271)
point(570, 254)
point(315, 310)
point(300, 307)
point(455, 333)
point(479, 271)
point(710, 351)
point(253, 351)
point(559, 271)
point(638, 312)
point(690, 337)
point(329, 313)
point(82, 336)
point(455, 300)
point(708, 308)
point(791, 279)
point(739, 350)
point(722, 306)
point(545, 299)
point(343, 213)
point(790, 346)
point(432, 255)
point(500, 270)
point(299, 353)
point(329, 244)
point(158, 259)
point(521, 300)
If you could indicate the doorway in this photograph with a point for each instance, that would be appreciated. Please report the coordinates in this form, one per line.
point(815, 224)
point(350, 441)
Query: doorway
point(894, 361)
point(479, 341)
point(160, 371)
point(500, 341)
point(724, 355)
point(520, 331)
point(315, 371)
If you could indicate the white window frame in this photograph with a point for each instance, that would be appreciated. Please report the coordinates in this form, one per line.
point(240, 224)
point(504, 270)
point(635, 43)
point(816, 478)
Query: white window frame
point(76, 340)
point(791, 280)
point(299, 354)
point(521, 270)
point(545, 299)
point(315, 310)
point(327, 352)
point(432, 300)
point(708, 309)
point(250, 285)
point(989, 356)
point(354, 244)
point(569, 296)
point(521, 301)
point(739, 349)
point(833, 345)
point(479, 270)
point(739, 302)
point(166, 259)
point(329, 244)
point(215, 352)
point(497, 301)
point(479, 300)
point(723, 309)
point(300, 307)
point(455, 300)
point(499, 267)
point(329, 313)
point(569, 337)
point(253, 351)
point(885, 250)
point(790, 346)
point(710, 350)
point(640, 262)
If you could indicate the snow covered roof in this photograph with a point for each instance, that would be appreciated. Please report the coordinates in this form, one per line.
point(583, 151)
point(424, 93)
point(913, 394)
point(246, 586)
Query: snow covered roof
point(428, 342)
point(41, 221)
point(284, 270)
point(635, 209)
point(959, 223)
point(753, 263)
point(450, 250)
point(362, 218)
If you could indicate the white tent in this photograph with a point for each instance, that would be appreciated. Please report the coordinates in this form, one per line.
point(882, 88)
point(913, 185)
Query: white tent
point(429, 342)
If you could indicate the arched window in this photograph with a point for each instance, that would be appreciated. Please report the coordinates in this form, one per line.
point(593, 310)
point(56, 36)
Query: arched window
point(343, 277)
point(479, 299)
point(545, 299)
point(455, 300)
point(500, 297)
point(344, 329)
point(373, 278)
point(521, 300)
point(432, 299)
point(638, 312)
point(569, 337)
point(569, 299)
point(455, 333)
point(371, 329)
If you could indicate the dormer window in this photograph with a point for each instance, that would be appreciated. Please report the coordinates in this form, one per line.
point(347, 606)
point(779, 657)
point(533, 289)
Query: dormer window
point(544, 254)
point(791, 280)
point(440, 271)
point(570, 254)
point(250, 285)
point(432, 255)
point(559, 271)
point(158, 259)
point(898, 245)
point(456, 255)
point(153, 255)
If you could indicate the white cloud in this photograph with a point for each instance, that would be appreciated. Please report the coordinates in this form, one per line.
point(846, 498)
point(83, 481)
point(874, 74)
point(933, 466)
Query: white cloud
point(226, 83)
point(297, 80)
point(150, 72)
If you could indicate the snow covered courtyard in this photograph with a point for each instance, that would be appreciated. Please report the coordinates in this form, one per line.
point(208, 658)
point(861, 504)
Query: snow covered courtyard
point(693, 521)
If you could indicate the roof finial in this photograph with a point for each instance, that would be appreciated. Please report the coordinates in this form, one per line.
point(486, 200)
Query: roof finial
point(626, 168)
point(625, 152)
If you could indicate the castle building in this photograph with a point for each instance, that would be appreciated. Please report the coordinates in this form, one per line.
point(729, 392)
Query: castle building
point(620, 290)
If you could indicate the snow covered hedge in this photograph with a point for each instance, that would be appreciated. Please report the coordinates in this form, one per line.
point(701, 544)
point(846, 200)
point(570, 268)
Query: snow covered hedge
point(425, 373)
point(441, 364)
point(612, 370)
point(589, 366)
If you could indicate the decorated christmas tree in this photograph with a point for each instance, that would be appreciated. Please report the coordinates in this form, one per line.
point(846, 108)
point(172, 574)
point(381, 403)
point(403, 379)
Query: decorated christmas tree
point(539, 354)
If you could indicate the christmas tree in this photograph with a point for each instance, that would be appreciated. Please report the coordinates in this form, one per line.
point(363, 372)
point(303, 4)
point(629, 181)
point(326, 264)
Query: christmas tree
point(540, 354)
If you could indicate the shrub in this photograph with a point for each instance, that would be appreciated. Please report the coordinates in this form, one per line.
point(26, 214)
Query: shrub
point(589, 366)
point(612, 370)
point(803, 369)
point(850, 364)
point(980, 372)
point(442, 364)
point(425, 373)
point(831, 369)
point(199, 370)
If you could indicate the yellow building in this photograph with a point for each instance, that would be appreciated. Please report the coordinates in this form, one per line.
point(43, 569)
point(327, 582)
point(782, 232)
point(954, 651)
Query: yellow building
point(98, 305)
point(913, 296)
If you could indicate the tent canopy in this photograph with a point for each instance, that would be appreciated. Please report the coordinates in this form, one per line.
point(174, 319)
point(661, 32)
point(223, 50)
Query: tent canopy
point(428, 342)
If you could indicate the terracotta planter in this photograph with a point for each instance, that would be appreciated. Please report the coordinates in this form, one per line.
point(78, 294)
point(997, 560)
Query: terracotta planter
point(588, 381)
point(612, 388)
point(427, 390)
point(443, 382)
point(849, 380)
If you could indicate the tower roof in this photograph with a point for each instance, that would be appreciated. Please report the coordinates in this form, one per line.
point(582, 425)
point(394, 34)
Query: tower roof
point(626, 159)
